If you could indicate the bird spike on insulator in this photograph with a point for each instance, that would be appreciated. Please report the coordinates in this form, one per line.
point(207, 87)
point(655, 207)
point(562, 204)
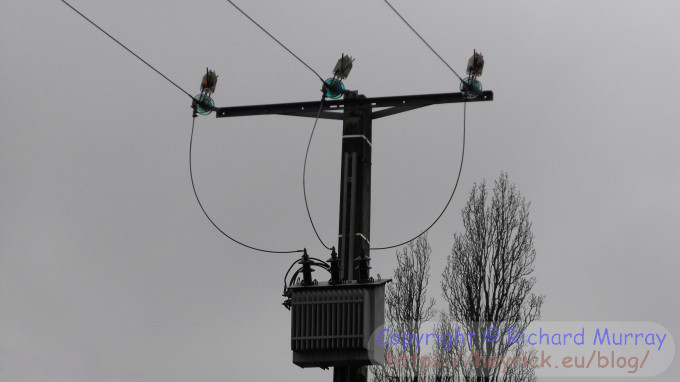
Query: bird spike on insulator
point(202, 103)
point(343, 67)
point(475, 65)
point(209, 82)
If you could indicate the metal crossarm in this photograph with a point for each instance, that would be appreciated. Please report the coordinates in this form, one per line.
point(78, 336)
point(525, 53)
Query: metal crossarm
point(334, 109)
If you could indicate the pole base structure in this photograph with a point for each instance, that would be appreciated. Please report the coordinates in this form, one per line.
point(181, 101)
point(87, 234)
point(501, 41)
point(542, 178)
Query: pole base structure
point(350, 374)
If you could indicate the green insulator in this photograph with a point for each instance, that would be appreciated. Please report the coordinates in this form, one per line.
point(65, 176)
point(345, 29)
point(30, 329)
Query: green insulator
point(205, 100)
point(471, 87)
point(334, 88)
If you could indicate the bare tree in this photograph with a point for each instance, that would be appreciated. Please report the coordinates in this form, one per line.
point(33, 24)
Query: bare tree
point(487, 281)
point(407, 309)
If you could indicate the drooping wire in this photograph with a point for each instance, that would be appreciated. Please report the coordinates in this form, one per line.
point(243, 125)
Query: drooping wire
point(460, 169)
point(304, 175)
point(275, 39)
point(193, 186)
point(314, 262)
point(126, 48)
point(423, 40)
point(304, 169)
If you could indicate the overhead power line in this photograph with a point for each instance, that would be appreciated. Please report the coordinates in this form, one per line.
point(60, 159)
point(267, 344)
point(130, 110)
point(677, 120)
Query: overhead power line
point(460, 168)
point(423, 40)
point(311, 135)
point(274, 38)
point(128, 49)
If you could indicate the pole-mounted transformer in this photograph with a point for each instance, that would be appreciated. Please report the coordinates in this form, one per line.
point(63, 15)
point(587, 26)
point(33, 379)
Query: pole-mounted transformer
point(337, 324)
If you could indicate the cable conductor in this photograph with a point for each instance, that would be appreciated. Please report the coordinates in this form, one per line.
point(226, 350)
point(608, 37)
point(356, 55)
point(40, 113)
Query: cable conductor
point(274, 38)
point(304, 175)
point(193, 186)
point(460, 169)
point(128, 49)
point(423, 40)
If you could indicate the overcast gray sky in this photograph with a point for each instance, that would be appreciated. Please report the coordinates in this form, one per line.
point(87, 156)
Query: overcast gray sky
point(110, 272)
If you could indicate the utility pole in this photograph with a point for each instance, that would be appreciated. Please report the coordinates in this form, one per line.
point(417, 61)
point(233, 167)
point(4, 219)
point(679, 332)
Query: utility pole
point(357, 113)
point(354, 234)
